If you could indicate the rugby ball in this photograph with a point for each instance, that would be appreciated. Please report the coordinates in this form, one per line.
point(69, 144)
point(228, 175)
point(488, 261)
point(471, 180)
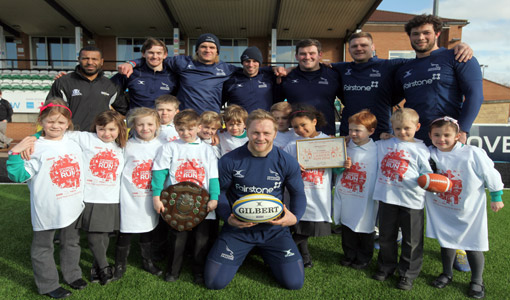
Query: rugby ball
point(257, 208)
point(435, 183)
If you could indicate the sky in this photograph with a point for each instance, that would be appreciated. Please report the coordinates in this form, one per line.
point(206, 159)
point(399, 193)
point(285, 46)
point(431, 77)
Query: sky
point(488, 31)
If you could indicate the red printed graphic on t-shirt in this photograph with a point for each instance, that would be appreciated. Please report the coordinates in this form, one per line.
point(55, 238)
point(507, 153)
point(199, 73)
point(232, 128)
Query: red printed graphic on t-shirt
point(354, 178)
point(104, 165)
point(191, 170)
point(394, 165)
point(65, 172)
point(172, 138)
point(315, 175)
point(452, 196)
point(142, 175)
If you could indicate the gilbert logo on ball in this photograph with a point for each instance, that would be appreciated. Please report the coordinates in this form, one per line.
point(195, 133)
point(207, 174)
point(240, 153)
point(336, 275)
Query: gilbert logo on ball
point(257, 208)
point(433, 182)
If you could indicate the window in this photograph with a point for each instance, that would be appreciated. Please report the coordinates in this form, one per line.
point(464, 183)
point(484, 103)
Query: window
point(56, 52)
point(131, 48)
point(230, 49)
point(11, 53)
point(286, 52)
point(401, 54)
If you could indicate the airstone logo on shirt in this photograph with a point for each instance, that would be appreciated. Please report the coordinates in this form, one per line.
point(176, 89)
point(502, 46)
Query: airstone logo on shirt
point(104, 165)
point(394, 165)
point(142, 175)
point(65, 172)
point(361, 88)
point(257, 190)
point(435, 76)
point(451, 197)
point(354, 179)
point(192, 171)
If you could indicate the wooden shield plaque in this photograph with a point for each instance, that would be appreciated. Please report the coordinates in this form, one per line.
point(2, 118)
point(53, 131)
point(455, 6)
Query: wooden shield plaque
point(185, 205)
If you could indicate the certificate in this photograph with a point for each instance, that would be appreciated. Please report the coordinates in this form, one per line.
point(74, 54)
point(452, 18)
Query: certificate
point(321, 153)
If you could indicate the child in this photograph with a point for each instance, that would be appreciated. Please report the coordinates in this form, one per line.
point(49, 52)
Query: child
point(55, 179)
point(280, 112)
point(210, 122)
point(354, 206)
point(167, 107)
point(401, 160)
point(235, 119)
point(458, 218)
point(104, 158)
point(136, 212)
point(191, 156)
point(317, 218)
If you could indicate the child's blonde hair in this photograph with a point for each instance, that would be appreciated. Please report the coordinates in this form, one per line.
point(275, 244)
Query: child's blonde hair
point(405, 114)
point(167, 99)
point(187, 118)
point(211, 118)
point(53, 106)
point(235, 113)
point(283, 106)
point(141, 112)
point(112, 116)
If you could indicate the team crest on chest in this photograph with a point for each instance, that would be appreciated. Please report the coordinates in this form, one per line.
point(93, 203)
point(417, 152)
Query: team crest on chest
point(75, 92)
point(262, 84)
point(220, 72)
point(375, 73)
point(164, 87)
point(323, 81)
point(434, 67)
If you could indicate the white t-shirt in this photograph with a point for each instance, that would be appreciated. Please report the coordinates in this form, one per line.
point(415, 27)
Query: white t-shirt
point(458, 219)
point(168, 133)
point(103, 165)
point(56, 183)
point(399, 166)
point(194, 162)
point(354, 205)
point(137, 212)
point(283, 138)
point(229, 142)
point(317, 184)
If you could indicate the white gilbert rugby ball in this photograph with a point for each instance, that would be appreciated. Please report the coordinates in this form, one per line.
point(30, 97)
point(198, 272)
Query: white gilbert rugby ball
point(257, 208)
